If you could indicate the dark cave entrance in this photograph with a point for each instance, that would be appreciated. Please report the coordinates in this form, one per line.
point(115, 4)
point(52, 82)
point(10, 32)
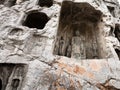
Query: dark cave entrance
point(78, 34)
point(0, 84)
point(36, 20)
point(47, 3)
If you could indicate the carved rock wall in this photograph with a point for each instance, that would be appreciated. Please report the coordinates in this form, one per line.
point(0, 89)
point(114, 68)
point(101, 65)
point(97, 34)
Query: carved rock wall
point(72, 45)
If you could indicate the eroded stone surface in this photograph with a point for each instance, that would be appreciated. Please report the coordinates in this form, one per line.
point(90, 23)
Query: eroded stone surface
point(35, 47)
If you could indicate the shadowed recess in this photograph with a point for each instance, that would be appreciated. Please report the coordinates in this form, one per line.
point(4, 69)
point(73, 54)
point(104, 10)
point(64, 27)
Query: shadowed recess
point(36, 20)
point(117, 31)
point(47, 3)
point(11, 75)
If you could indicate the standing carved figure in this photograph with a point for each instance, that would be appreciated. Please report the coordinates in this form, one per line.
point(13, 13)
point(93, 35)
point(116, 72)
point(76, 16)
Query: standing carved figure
point(69, 49)
point(61, 46)
point(78, 47)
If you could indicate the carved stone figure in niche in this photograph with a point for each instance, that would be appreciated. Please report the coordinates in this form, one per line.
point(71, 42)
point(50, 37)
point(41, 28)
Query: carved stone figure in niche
point(61, 46)
point(95, 56)
point(69, 49)
point(19, 72)
point(15, 84)
point(78, 47)
point(56, 48)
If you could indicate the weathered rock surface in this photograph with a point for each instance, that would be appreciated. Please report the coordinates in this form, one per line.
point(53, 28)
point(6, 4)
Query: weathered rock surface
point(73, 46)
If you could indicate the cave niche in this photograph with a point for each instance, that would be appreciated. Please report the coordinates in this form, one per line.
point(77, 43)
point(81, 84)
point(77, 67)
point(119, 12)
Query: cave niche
point(78, 34)
point(47, 3)
point(111, 9)
point(36, 20)
point(15, 83)
point(11, 76)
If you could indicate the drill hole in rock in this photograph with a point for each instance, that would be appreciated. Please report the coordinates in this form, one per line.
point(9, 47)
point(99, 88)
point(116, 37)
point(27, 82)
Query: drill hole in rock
point(78, 32)
point(36, 20)
point(46, 3)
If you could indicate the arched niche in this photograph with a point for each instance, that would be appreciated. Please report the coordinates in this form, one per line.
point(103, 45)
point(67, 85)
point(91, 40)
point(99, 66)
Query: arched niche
point(15, 83)
point(36, 20)
point(46, 3)
point(78, 34)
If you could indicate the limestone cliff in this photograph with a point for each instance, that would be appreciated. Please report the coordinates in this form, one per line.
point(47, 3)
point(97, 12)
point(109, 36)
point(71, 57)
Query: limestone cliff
point(59, 45)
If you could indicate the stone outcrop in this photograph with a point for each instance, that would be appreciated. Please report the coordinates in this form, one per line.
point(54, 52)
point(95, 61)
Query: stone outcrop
point(59, 45)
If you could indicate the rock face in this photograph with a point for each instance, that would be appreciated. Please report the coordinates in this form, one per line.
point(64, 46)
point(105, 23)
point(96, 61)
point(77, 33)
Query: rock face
point(59, 45)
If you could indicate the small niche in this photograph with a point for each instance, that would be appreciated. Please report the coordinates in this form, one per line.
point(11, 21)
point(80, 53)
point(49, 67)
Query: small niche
point(15, 83)
point(0, 84)
point(111, 31)
point(11, 75)
point(118, 53)
point(36, 20)
point(46, 3)
point(16, 31)
point(111, 9)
